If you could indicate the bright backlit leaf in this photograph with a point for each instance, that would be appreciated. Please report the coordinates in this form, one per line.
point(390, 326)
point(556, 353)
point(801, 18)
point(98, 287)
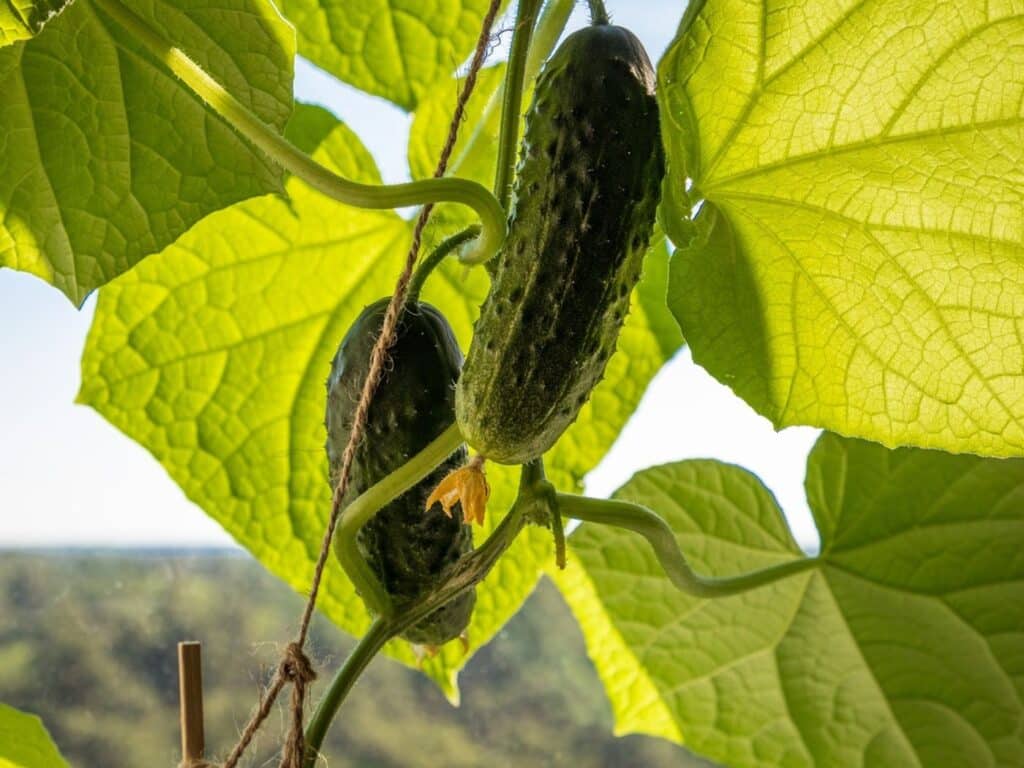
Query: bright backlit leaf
point(21, 19)
point(25, 743)
point(901, 647)
point(477, 145)
point(858, 260)
point(475, 149)
point(106, 157)
point(213, 355)
point(390, 48)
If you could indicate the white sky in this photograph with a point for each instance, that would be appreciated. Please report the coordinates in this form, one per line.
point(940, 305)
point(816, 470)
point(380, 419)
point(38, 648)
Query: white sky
point(69, 478)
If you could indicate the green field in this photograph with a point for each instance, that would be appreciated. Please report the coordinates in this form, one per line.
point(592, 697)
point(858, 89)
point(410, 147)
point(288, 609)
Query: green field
point(87, 641)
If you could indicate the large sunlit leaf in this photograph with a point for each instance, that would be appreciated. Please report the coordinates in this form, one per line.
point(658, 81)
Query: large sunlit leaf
point(21, 19)
point(213, 355)
point(861, 167)
point(106, 157)
point(902, 647)
point(390, 48)
point(475, 151)
point(25, 743)
point(477, 145)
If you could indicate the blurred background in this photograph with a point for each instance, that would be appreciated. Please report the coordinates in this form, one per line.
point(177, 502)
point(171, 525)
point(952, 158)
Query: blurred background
point(105, 565)
point(87, 641)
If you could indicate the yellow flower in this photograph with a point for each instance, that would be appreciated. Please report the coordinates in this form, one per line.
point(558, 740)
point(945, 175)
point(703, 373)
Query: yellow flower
point(468, 485)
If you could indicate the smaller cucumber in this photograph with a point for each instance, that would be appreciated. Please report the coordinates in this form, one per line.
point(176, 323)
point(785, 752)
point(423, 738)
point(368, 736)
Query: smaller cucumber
point(405, 547)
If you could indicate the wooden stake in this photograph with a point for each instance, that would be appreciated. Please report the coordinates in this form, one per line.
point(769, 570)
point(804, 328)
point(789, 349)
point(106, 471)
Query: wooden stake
point(190, 686)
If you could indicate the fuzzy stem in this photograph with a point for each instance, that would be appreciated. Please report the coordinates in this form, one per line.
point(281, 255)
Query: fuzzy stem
point(297, 162)
point(465, 574)
point(366, 505)
point(598, 13)
point(659, 535)
point(369, 646)
point(512, 106)
point(532, 478)
point(435, 258)
point(549, 28)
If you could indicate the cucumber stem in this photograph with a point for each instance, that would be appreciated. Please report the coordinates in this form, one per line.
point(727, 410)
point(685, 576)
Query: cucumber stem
point(298, 163)
point(598, 13)
point(465, 574)
point(366, 505)
point(558, 531)
point(369, 646)
point(549, 28)
point(512, 105)
point(435, 258)
point(659, 535)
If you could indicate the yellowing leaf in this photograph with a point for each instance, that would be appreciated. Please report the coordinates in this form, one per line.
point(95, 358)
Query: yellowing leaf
point(858, 264)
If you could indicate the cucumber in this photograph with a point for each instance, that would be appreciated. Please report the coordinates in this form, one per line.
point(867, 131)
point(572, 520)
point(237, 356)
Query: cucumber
point(405, 547)
point(586, 190)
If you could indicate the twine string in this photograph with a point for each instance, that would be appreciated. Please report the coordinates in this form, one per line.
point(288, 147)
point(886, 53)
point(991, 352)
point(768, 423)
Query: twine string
point(295, 668)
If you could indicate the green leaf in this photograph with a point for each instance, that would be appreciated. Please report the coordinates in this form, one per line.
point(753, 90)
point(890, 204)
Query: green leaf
point(25, 743)
point(213, 356)
point(476, 147)
point(859, 167)
point(390, 48)
point(900, 648)
point(21, 19)
point(105, 157)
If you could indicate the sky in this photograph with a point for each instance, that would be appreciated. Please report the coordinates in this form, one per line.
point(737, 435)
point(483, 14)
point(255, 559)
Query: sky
point(68, 478)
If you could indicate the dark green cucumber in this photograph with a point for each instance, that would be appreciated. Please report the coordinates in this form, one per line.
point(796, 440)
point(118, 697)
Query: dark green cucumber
point(586, 191)
point(406, 547)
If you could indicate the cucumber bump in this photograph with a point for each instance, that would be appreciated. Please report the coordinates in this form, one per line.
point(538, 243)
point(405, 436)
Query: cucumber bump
point(585, 195)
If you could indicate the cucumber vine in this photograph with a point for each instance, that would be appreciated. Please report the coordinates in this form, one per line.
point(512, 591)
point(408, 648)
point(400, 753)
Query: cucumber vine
point(537, 501)
point(788, 283)
point(436, 256)
point(512, 104)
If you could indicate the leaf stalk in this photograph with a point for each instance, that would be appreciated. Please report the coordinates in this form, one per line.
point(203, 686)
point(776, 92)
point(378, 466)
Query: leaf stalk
point(641, 520)
point(298, 163)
